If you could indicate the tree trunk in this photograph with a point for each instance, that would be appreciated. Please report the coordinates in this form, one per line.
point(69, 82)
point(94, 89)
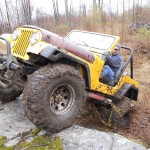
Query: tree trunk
point(56, 11)
point(8, 16)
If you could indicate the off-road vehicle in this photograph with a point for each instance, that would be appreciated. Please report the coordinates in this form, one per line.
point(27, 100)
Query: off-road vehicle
point(57, 74)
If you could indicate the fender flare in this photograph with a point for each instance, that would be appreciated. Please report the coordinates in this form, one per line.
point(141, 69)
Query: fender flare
point(127, 90)
point(51, 53)
point(55, 54)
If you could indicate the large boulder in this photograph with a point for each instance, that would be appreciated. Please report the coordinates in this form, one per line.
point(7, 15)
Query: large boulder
point(13, 124)
point(80, 138)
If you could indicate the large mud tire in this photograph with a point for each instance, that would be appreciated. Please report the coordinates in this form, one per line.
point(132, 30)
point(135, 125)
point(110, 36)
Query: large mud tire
point(54, 96)
point(121, 118)
point(119, 113)
point(11, 92)
point(7, 95)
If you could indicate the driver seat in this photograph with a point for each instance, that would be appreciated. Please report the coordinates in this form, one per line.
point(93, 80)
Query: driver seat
point(116, 78)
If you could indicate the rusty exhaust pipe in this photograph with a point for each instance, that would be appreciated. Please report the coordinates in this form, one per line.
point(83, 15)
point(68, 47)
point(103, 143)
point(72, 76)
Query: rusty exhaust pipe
point(67, 45)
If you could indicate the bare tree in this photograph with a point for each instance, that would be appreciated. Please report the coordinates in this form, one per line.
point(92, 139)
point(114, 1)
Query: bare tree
point(7, 16)
point(56, 11)
point(66, 10)
point(102, 20)
point(95, 5)
point(84, 13)
point(95, 2)
point(111, 17)
point(123, 17)
point(27, 14)
point(133, 12)
point(2, 28)
point(17, 12)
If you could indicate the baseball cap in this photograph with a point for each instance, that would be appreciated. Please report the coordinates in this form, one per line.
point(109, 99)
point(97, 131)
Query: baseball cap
point(117, 47)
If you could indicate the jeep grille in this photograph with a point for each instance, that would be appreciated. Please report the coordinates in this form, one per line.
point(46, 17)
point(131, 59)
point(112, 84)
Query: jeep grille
point(22, 43)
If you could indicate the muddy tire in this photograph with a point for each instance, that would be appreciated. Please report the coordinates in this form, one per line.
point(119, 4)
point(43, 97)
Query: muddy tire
point(11, 92)
point(121, 119)
point(7, 95)
point(54, 96)
point(119, 113)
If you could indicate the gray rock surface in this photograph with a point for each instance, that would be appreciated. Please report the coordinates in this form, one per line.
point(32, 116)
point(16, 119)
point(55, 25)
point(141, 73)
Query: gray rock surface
point(79, 138)
point(13, 124)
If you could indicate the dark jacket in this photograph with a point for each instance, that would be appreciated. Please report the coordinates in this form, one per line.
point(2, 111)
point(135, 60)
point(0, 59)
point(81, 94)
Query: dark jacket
point(115, 62)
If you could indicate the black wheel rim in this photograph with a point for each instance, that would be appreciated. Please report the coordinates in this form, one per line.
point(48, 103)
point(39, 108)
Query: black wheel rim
point(62, 99)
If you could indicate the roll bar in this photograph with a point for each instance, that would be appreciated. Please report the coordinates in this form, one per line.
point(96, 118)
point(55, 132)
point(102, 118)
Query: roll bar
point(130, 59)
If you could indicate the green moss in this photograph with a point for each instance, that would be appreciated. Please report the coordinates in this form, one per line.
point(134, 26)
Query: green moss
point(56, 144)
point(3, 140)
point(42, 142)
point(26, 144)
point(36, 131)
point(8, 148)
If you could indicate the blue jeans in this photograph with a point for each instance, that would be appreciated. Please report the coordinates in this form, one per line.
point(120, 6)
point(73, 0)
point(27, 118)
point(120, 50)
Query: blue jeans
point(107, 73)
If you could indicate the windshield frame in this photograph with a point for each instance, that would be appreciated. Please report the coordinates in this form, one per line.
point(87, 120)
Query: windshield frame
point(84, 44)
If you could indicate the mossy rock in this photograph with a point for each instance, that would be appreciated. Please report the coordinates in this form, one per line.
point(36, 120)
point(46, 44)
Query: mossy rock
point(36, 131)
point(43, 142)
point(3, 140)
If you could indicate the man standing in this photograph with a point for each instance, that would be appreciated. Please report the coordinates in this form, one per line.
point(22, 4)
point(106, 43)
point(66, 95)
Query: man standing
point(112, 65)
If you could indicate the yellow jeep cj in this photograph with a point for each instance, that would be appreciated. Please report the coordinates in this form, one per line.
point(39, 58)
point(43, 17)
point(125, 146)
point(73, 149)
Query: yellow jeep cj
point(57, 75)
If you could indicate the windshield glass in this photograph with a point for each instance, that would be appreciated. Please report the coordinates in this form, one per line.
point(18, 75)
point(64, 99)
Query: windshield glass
point(94, 41)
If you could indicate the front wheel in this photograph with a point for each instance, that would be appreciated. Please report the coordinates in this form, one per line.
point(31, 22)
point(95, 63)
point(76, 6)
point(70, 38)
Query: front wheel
point(54, 96)
point(12, 91)
point(7, 95)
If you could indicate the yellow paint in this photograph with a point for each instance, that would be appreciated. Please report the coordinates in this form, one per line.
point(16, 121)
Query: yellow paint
point(112, 90)
point(95, 71)
point(22, 43)
point(37, 47)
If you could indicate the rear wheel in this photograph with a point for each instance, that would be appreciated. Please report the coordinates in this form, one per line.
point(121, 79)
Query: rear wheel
point(121, 118)
point(54, 96)
point(118, 113)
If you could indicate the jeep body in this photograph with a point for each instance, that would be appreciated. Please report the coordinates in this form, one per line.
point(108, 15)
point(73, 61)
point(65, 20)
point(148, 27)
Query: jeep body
point(31, 48)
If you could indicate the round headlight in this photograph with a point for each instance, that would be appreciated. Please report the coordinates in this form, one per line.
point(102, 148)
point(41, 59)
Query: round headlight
point(34, 37)
point(16, 34)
